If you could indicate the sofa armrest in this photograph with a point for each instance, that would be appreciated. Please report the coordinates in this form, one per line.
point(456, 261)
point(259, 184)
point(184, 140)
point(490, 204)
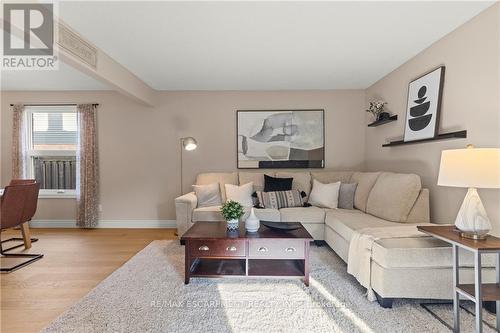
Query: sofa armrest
point(420, 213)
point(184, 206)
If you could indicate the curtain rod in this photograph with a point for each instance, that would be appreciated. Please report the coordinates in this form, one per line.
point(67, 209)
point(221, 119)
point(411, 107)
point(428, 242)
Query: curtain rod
point(54, 104)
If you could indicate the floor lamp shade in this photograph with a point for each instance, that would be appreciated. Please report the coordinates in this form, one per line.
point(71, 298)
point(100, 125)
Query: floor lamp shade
point(189, 143)
point(472, 168)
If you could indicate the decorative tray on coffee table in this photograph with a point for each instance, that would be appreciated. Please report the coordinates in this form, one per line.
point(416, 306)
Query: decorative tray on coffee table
point(281, 225)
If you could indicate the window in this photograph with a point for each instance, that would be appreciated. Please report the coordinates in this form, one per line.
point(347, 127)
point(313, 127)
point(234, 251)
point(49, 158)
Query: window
point(52, 142)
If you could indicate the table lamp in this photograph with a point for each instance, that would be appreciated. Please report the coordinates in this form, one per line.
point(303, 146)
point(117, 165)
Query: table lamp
point(472, 168)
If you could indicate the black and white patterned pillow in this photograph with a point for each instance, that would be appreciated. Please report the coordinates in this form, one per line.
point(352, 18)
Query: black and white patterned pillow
point(280, 199)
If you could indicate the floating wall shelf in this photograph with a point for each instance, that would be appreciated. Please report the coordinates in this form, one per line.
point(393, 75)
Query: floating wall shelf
point(383, 121)
point(444, 136)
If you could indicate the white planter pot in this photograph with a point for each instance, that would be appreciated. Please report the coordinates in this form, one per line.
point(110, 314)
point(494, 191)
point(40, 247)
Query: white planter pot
point(232, 224)
point(252, 223)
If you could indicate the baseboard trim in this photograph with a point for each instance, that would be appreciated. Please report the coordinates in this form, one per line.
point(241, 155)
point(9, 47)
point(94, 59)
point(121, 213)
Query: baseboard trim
point(103, 224)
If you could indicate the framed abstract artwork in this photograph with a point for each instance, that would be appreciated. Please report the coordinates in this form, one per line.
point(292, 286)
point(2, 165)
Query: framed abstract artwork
point(280, 139)
point(424, 105)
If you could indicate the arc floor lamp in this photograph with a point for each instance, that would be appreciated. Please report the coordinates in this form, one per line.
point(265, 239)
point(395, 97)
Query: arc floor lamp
point(188, 143)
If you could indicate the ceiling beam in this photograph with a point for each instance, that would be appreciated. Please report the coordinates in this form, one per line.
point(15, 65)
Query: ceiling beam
point(79, 53)
point(103, 68)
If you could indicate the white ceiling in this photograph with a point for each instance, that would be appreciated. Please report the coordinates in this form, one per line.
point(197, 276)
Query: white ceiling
point(259, 45)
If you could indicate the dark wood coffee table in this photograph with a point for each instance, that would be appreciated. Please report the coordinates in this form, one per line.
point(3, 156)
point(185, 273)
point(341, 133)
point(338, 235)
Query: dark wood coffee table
point(212, 251)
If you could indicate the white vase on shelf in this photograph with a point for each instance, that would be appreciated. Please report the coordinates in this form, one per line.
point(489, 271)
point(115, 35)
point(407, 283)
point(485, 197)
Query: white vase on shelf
point(252, 223)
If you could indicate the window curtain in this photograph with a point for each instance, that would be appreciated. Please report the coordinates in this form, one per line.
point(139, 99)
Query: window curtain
point(87, 182)
point(19, 142)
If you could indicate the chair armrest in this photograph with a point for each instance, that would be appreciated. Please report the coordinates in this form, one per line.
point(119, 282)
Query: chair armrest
point(184, 206)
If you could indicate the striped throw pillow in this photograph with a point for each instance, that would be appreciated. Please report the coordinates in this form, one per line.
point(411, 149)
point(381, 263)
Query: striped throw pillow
point(280, 199)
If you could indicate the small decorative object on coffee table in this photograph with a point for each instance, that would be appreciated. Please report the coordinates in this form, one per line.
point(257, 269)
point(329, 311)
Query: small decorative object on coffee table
point(478, 291)
point(282, 225)
point(252, 223)
point(232, 211)
point(213, 251)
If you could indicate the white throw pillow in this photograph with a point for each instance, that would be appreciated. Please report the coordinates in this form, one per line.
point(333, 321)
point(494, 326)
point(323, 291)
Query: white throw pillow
point(241, 194)
point(324, 195)
point(208, 195)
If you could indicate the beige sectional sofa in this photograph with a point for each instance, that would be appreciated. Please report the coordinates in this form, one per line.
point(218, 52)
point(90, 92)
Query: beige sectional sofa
point(418, 267)
point(413, 206)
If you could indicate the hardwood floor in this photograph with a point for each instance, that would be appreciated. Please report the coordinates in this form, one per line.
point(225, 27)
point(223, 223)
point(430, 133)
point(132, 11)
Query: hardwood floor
point(75, 261)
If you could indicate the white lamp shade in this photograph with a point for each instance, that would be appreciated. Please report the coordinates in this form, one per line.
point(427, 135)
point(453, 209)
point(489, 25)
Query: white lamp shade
point(189, 143)
point(472, 167)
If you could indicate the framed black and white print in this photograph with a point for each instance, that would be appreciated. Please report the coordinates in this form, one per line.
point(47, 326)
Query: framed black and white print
point(424, 105)
point(280, 139)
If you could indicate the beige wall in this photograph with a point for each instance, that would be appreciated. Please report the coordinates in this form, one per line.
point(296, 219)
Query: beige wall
point(139, 146)
point(471, 101)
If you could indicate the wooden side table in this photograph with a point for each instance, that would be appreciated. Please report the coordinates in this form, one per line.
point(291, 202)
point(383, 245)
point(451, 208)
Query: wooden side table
point(478, 291)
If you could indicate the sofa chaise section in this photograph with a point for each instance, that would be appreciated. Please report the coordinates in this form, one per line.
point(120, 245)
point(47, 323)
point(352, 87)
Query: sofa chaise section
point(419, 267)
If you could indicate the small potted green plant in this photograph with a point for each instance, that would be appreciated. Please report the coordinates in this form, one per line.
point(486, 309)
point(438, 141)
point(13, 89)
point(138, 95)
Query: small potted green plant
point(232, 211)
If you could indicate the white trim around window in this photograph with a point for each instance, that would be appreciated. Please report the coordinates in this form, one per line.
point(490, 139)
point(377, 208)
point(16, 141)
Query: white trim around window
point(57, 194)
point(53, 194)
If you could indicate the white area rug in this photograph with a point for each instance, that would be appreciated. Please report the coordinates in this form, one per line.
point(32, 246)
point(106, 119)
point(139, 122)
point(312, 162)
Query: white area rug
point(148, 294)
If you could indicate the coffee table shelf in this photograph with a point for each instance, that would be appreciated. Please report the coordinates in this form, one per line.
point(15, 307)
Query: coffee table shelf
point(276, 267)
point(212, 251)
point(218, 267)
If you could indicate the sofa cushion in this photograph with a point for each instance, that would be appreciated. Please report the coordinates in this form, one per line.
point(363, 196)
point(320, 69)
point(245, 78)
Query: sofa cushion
point(277, 183)
point(241, 194)
point(346, 195)
point(264, 214)
point(303, 214)
point(218, 177)
point(207, 214)
point(324, 195)
point(346, 221)
point(279, 199)
point(213, 214)
point(301, 181)
point(393, 196)
point(207, 195)
point(332, 176)
point(420, 211)
point(421, 252)
point(257, 178)
point(365, 181)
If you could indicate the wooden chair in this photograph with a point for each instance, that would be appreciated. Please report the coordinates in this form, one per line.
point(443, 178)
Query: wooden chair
point(17, 206)
point(27, 216)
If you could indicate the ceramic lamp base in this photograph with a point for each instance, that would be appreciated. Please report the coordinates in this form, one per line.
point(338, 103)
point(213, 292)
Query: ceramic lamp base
point(472, 221)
